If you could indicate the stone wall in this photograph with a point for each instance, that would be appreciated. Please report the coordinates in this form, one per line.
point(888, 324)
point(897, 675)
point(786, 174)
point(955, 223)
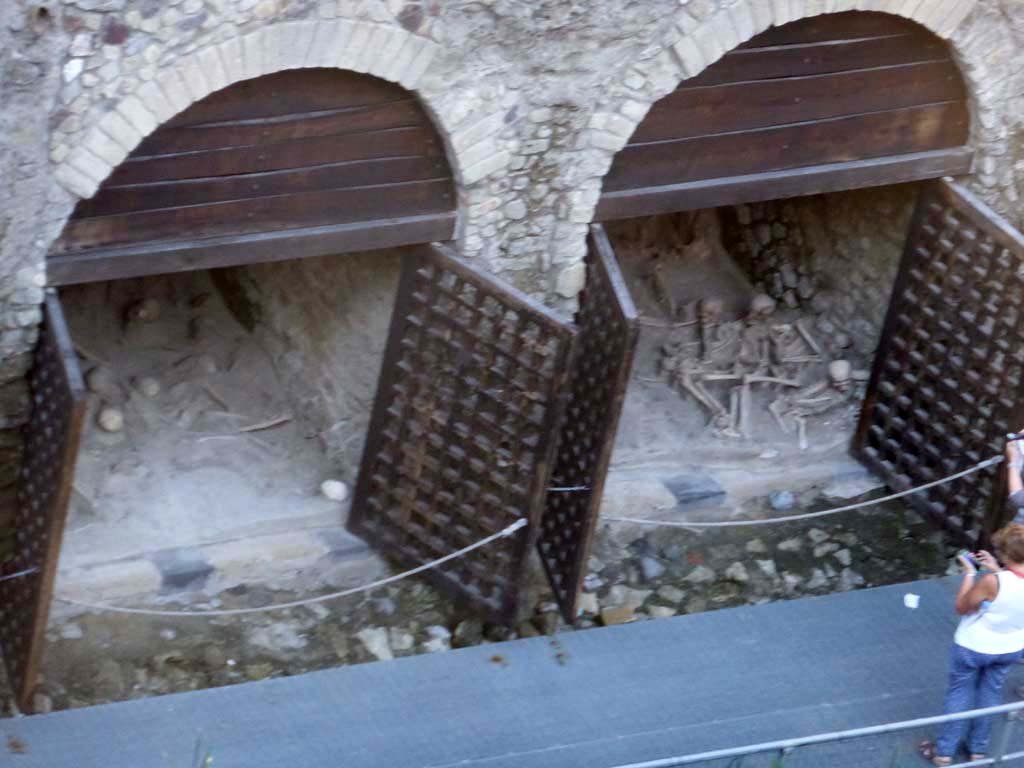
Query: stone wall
point(834, 255)
point(533, 98)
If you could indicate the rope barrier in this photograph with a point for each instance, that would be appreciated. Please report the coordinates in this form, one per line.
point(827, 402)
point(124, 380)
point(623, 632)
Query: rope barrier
point(808, 515)
point(19, 574)
point(504, 533)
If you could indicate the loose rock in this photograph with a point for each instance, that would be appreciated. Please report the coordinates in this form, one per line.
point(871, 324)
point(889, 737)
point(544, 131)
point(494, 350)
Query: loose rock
point(737, 572)
point(335, 490)
point(651, 569)
point(700, 575)
point(467, 633)
point(844, 556)
point(619, 614)
point(817, 536)
point(110, 419)
point(768, 568)
point(791, 545)
point(375, 640)
point(817, 580)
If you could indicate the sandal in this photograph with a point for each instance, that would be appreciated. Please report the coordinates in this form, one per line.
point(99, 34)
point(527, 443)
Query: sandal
point(927, 750)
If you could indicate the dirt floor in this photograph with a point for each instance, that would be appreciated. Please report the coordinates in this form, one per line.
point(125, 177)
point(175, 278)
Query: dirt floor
point(208, 450)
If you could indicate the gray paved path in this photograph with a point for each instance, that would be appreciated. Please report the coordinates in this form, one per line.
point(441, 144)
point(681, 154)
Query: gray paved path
point(590, 699)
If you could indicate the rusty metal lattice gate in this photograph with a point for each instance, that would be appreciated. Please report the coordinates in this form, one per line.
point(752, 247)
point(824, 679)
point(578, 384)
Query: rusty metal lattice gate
point(947, 376)
point(44, 486)
point(600, 372)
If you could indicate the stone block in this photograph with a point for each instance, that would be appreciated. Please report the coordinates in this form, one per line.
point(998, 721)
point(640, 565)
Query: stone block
point(351, 55)
point(394, 69)
point(619, 614)
point(252, 54)
point(570, 280)
point(742, 20)
point(105, 147)
point(707, 40)
point(86, 162)
point(691, 58)
point(172, 87)
point(488, 160)
point(762, 12)
point(231, 58)
point(483, 130)
point(120, 130)
point(782, 12)
point(323, 46)
point(136, 113)
point(193, 78)
point(213, 68)
point(152, 96)
point(385, 49)
point(692, 488)
point(296, 44)
point(420, 64)
point(955, 18)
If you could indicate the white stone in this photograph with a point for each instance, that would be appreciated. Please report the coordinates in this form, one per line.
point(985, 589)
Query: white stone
point(817, 580)
point(844, 556)
point(103, 381)
point(375, 640)
point(335, 490)
point(768, 568)
point(110, 419)
point(120, 130)
point(86, 162)
point(737, 572)
point(661, 611)
point(756, 546)
point(588, 603)
point(148, 386)
point(72, 69)
point(75, 181)
point(791, 580)
point(817, 536)
point(823, 549)
point(850, 579)
point(516, 210)
point(794, 544)
point(700, 575)
point(71, 631)
point(81, 44)
point(400, 640)
point(252, 53)
point(172, 87)
point(136, 113)
point(156, 102)
point(213, 68)
point(570, 280)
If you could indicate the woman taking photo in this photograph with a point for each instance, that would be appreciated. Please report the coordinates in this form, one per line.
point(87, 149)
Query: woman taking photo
point(988, 640)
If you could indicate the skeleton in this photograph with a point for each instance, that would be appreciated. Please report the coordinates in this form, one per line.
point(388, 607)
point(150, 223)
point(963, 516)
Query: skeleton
point(816, 399)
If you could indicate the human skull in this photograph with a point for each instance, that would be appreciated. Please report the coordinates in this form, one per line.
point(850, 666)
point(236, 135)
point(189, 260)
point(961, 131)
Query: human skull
point(839, 374)
point(761, 306)
point(710, 310)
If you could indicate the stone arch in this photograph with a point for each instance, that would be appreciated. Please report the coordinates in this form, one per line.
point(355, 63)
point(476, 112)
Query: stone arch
point(692, 45)
point(388, 52)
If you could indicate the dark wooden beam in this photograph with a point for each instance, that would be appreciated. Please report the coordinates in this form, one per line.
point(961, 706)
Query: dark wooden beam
point(794, 182)
point(184, 255)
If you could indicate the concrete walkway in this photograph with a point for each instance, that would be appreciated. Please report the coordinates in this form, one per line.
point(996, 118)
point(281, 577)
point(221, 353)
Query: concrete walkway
point(590, 699)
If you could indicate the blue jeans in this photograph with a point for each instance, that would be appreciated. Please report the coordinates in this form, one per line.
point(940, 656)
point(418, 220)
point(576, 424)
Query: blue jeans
point(975, 681)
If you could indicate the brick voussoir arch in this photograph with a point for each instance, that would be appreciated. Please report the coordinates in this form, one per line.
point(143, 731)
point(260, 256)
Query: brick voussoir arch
point(691, 46)
point(381, 50)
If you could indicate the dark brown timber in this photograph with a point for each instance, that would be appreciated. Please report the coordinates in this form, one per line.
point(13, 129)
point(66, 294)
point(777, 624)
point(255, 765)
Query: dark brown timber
point(601, 364)
point(822, 93)
point(294, 151)
point(462, 434)
point(948, 380)
point(44, 489)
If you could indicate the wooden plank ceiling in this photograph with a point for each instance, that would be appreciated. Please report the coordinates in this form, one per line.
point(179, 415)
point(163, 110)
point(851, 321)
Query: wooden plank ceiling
point(297, 163)
point(830, 102)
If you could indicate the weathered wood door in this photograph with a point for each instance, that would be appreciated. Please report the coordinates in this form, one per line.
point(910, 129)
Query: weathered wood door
point(598, 377)
point(947, 381)
point(51, 440)
point(462, 435)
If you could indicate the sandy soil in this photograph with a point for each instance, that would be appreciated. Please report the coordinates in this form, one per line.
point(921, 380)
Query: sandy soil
point(215, 454)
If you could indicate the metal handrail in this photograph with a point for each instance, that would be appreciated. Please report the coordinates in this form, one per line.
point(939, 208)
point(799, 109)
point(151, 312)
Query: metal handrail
point(1000, 756)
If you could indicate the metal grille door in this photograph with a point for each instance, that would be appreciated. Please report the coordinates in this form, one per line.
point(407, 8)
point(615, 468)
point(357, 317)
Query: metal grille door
point(601, 365)
point(946, 383)
point(44, 487)
point(460, 442)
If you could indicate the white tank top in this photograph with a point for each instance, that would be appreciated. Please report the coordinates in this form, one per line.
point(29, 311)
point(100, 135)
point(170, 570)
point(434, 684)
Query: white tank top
point(999, 628)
